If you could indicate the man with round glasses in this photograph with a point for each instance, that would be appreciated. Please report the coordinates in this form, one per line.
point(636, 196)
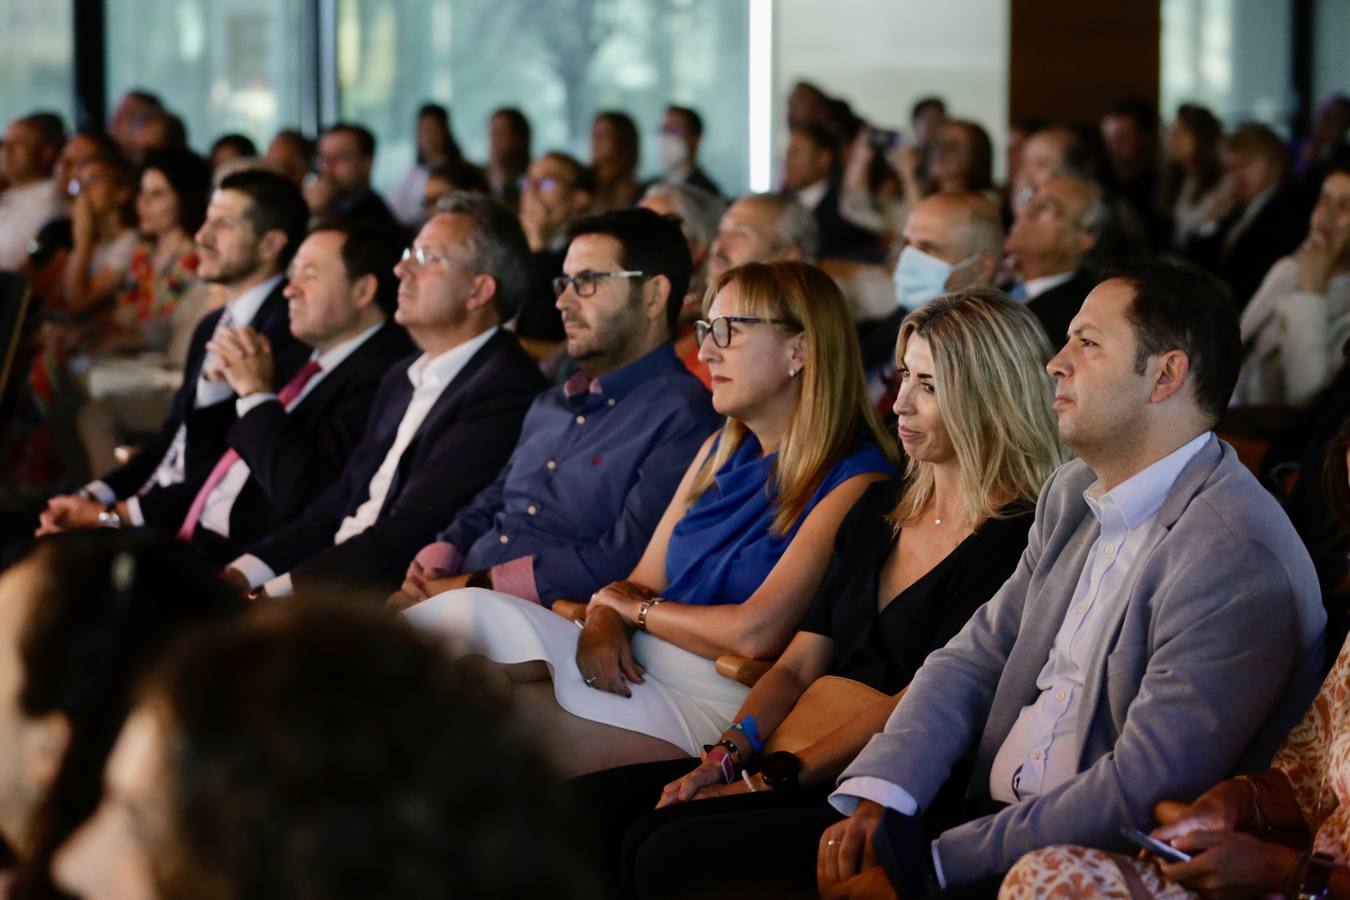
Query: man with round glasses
point(599, 457)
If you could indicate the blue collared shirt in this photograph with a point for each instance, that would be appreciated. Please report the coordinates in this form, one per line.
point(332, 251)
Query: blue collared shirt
point(595, 468)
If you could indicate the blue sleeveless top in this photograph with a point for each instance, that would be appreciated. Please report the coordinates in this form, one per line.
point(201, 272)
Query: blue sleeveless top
point(723, 548)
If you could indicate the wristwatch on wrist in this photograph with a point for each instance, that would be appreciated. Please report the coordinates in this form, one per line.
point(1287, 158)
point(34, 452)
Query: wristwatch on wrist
point(780, 770)
point(109, 517)
point(1312, 878)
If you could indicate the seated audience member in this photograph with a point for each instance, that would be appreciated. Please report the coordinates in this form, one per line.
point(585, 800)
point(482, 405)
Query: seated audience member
point(952, 241)
point(1255, 218)
point(1129, 135)
point(253, 224)
point(614, 161)
point(82, 616)
point(976, 425)
point(345, 158)
point(699, 213)
point(1092, 685)
point(681, 134)
point(81, 147)
point(442, 423)
point(1327, 142)
point(231, 146)
point(161, 130)
point(962, 160)
point(444, 180)
point(735, 558)
point(132, 110)
point(1193, 169)
point(811, 178)
point(265, 760)
point(436, 148)
point(619, 433)
point(292, 440)
point(762, 228)
point(31, 199)
point(508, 153)
point(291, 154)
point(555, 193)
point(1299, 318)
point(101, 217)
point(1052, 233)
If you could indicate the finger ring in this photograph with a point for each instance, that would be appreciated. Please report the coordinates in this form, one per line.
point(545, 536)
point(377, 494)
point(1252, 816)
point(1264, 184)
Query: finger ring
point(590, 682)
point(830, 843)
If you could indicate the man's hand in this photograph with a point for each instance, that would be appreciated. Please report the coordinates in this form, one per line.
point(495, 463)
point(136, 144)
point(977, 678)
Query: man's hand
point(1231, 864)
point(846, 847)
point(691, 786)
point(68, 511)
point(235, 581)
point(244, 359)
point(1220, 808)
point(422, 582)
point(874, 884)
point(604, 654)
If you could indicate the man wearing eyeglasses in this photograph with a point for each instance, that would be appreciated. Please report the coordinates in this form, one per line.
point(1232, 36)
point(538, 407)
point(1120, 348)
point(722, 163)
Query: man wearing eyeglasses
point(444, 420)
point(600, 457)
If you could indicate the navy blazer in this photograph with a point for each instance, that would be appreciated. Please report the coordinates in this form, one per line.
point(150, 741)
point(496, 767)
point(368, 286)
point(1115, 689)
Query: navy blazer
point(459, 448)
point(208, 426)
point(292, 456)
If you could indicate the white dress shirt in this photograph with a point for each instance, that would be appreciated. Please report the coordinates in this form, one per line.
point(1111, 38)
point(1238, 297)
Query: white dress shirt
point(1038, 753)
point(1034, 287)
point(811, 195)
point(430, 376)
point(23, 212)
point(219, 503)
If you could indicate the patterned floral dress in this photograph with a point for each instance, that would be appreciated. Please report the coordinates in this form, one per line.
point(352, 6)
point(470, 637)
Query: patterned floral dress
point(1316, 759)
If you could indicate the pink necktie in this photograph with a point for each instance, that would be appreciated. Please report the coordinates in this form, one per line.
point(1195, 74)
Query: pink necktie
point(230, 457)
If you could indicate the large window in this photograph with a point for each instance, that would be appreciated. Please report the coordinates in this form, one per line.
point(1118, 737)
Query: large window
point(35, 59)
point(223, 65)
point(560, 62)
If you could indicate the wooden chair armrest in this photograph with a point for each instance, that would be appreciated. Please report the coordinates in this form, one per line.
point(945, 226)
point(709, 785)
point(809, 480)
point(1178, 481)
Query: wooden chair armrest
point(741, 669)
point(570, 609)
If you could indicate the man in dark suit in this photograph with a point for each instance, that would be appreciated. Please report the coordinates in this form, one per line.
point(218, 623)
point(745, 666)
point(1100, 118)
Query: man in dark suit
point(444, 421)
point(254, 223)
point(292, 440)
point(345, 158)
point(1054, 230)
point(681, 134)
point(810, 176)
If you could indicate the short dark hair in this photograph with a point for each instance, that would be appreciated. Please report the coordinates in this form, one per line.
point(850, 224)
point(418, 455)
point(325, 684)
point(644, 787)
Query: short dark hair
point(273, 790)
point(819, 135)
point(923, 104)
point(365, 139)
point(241, 144)
point(463, 175)
point(297, 138)
point(107, 603)
point(1141, 111)
point(691, 116)
point(175, 130)
point(369, 250)
point(625, 134)
point(435, 111)
point(51, 128)
point(1178, 306)
point(497, 247)
point(650, 243)
point(276, 204)
point(580, 173)
point(190, 178)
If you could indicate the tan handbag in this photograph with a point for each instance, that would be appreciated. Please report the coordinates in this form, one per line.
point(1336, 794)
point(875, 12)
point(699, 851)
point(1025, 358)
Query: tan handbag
point(828, 703)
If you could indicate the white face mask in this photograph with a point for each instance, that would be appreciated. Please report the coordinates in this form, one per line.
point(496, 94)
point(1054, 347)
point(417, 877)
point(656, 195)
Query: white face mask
point(920, 277)
point(672, 150)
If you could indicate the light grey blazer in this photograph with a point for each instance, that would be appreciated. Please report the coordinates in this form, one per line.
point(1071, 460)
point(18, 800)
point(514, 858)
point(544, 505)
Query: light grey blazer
point(1212, 655)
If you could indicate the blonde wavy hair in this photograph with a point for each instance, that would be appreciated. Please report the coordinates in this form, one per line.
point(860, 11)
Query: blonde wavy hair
point(995, 396)
point(831, 412)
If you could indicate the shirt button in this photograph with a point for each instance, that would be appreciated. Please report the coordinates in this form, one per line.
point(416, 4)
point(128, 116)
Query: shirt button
point(551, 464)
point(581, 420)
point(1110, 548)
point(1036, 755)
point(532, 510)
point(1059, 695)
point(1082, 608)
point(504, 539)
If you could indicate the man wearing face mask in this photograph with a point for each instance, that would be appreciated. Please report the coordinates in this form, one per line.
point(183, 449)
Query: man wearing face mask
point(677, 146)
point(952, 241)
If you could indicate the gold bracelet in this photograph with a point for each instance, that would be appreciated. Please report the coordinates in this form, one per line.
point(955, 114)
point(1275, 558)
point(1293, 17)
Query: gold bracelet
point(645, 608)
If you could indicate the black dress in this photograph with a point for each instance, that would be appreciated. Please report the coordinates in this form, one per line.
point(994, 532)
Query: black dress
point(880, 648)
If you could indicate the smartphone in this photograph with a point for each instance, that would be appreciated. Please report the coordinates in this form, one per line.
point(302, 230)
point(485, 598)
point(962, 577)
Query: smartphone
point(882, 140)
point(1154, 846)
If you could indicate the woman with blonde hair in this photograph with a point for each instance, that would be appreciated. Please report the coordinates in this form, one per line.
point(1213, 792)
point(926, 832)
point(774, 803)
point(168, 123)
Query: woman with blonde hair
point(913, 561)
point(734, 560)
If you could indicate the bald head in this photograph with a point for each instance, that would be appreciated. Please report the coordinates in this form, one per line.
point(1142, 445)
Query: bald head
point(1056, 225)
point(961, 230)
point(762, 228)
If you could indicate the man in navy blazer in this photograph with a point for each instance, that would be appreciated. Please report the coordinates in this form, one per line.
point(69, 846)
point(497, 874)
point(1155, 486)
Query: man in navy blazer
point(292, 439)
point(443, 422)
point(254, 223)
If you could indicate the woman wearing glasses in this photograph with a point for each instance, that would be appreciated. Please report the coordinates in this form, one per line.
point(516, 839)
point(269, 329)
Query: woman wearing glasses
point(734, 560)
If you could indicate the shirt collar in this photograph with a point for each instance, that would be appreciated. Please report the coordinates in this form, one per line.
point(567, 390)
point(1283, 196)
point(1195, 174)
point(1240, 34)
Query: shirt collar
point(333, 357)
point(811, 195)
point(1140, 496)
point(244, 307)
point(436, 371)
point(1037, 286)
point(627, 378)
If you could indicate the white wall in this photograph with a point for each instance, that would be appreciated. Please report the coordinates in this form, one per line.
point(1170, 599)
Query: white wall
point(882, 55)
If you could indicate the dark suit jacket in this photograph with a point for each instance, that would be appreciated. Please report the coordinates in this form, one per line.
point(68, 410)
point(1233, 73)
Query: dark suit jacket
point(293, 456)
point(840, 238)
point(1057, 306)
point(1276, 232)
point(539, 318)
point(458, 450)
point(368, 208)
point(207, 427)
point(700, 179)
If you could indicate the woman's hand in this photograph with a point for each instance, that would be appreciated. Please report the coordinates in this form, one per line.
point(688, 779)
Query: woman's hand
point(1231, 864)
point(82, 224)
point(691, 786)
point(604, 654)
point(623, 597)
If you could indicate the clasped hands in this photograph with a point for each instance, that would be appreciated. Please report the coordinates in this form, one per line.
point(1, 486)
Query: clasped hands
point(604, 652)
point(422, 582)
point(243, 358)
point(69, 511)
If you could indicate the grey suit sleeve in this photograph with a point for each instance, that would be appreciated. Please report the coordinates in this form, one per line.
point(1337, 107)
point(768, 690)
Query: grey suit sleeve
point(1223, 644)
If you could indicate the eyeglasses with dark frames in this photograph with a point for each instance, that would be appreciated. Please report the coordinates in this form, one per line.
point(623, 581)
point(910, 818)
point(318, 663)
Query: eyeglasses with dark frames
point(720, 327)
point(584, 283)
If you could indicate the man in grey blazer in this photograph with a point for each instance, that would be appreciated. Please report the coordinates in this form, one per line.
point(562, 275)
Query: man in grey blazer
point(1163, 628)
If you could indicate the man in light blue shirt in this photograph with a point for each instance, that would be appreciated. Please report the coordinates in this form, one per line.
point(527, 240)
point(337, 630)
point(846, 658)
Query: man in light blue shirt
point(1163, 629)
